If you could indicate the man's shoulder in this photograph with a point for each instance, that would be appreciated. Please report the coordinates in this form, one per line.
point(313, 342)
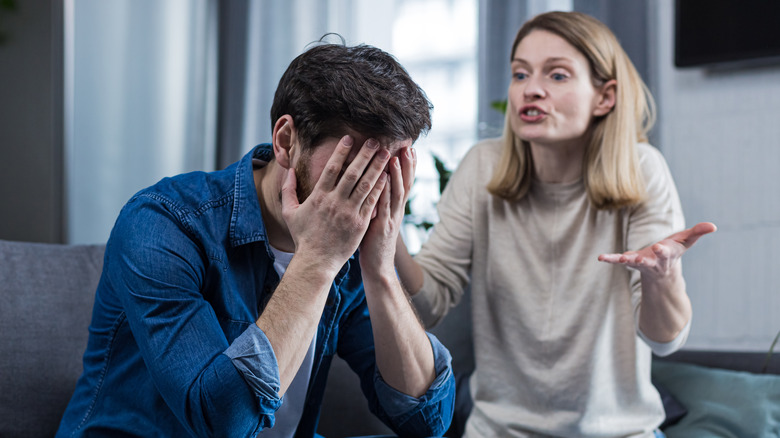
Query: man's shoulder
point(192, 191)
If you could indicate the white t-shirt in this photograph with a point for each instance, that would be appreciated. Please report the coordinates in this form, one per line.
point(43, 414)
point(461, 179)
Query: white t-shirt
point(289, 414)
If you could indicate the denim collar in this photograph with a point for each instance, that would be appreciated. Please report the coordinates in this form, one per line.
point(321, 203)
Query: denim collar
point(246, 220)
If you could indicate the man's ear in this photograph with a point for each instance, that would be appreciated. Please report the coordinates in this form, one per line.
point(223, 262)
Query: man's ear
point(284, 138)
point(606, 98)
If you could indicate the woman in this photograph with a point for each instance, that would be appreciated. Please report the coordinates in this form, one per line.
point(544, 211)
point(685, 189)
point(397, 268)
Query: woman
point(562, 342)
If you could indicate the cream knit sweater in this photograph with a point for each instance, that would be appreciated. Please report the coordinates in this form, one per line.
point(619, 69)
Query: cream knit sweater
point(555, 332)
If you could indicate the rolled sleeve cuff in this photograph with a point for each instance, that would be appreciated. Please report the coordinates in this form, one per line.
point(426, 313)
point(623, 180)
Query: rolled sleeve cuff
point(252, 355)
point(666, 348)
point(397, 404)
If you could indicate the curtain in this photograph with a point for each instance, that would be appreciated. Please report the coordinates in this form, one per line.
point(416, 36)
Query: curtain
point(259, 38)
point(140, 87)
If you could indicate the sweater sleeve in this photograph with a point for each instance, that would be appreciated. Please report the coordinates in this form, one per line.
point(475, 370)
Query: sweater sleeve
point(656, 218)
point(447, 255)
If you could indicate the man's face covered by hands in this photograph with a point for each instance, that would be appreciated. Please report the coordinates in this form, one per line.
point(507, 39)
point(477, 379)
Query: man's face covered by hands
point(312, 160)
point(354, 192)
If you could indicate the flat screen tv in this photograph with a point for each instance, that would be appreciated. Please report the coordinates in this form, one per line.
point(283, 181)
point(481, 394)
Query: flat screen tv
point(726, 32)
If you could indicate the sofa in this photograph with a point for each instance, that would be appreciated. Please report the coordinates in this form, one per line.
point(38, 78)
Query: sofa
point(47, 291)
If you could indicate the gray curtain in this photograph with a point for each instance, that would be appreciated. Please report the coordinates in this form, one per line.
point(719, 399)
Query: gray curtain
point(257, 40)
point(139, 102)
point(499, 21)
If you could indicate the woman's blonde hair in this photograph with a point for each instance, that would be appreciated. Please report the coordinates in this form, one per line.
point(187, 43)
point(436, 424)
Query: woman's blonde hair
point(611, 167)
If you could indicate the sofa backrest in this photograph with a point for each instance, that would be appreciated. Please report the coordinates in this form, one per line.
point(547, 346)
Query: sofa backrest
point(46, 296)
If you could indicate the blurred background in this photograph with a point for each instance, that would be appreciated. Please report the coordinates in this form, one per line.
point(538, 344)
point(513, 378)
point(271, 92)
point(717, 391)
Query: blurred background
point(99, 99)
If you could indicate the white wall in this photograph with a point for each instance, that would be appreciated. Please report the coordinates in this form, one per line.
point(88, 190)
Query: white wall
point(720, 133)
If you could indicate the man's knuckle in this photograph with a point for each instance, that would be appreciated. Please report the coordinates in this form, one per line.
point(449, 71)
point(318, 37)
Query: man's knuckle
point(351, 176)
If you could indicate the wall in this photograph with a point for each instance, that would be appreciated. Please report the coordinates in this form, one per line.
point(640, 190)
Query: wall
point(719, 132)
point(31, 123)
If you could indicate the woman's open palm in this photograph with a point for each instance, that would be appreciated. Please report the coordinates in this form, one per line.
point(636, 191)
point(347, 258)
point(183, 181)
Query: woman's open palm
point(656, 260)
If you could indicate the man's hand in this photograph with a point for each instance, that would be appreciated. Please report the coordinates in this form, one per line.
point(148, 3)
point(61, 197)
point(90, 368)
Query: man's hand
point(377, 250)
point(658, 260)
point(404, 356)
point(326, 229)
point(329, 225)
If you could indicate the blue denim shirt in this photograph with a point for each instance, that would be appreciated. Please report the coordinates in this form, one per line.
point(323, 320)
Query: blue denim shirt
point(173, 347)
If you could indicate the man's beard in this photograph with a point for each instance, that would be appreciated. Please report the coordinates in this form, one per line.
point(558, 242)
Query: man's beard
point(304, 187)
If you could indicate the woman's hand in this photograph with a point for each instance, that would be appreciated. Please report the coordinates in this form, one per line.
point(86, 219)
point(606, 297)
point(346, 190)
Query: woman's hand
point(659, 260)
point(665, 308)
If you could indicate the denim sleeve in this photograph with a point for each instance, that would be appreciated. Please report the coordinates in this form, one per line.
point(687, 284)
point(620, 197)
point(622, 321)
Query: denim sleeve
point(157, 269)
point(430, 414)
point(253, 356)
point(426, 416)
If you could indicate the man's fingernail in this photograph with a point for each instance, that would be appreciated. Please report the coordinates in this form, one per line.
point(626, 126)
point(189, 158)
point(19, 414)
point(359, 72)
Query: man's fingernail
point(384, 154)
point(371, 143)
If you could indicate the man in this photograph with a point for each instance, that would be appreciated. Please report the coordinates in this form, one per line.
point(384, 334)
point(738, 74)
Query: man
point(194, 333)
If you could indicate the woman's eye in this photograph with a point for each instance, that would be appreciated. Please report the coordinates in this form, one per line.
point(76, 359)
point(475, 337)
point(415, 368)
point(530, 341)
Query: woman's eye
point(558, 76)
point(520, 76)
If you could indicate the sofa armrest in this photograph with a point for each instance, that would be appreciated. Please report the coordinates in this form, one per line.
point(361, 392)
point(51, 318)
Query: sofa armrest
point(47, 291)
point(728, 360)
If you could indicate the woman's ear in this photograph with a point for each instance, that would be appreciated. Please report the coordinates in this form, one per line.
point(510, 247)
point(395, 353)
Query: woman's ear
point(606, 98)
point(283, 139)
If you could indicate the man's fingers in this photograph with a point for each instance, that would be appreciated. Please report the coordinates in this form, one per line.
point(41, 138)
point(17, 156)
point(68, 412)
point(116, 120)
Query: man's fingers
point(398, 185)
point(363, 173)
point(374, 196)
point(330, 174)
point(409, 167)
point(289, 195)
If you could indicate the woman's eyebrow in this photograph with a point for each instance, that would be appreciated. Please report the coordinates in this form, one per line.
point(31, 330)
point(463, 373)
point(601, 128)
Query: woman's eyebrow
point(550, 60)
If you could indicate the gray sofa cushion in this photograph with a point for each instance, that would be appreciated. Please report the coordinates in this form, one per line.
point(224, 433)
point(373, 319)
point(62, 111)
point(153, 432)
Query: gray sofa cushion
point(46, 291)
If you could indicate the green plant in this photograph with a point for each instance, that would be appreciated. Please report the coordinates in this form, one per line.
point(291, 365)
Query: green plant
point(499, 105)
point(5, 7)
point(444, 178)
point(769, 353)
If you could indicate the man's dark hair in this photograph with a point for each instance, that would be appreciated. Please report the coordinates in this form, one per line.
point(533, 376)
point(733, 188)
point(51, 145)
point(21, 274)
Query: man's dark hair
point(332, 87)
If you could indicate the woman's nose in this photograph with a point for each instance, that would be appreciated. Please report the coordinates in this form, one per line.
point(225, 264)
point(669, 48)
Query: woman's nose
point(533, 89)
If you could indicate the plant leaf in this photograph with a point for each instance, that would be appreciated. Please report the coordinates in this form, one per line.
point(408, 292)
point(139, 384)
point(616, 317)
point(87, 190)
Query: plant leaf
point(499, 105)
point(444, 173)
point(8, 5)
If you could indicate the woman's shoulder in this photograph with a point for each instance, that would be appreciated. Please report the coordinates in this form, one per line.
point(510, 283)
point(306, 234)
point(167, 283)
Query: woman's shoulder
point(484, 154)
point(649, 155)
point(488, 146)
point(655, 171)
point(652, 162)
